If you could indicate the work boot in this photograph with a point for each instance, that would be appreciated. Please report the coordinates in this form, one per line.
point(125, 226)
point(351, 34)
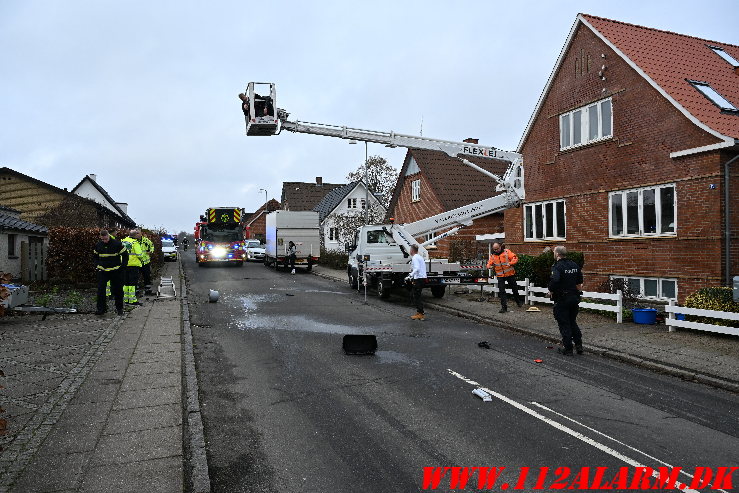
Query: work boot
point(101, 312)
point(564, 352)
point(503, 309)
point(578, 348)
point(418, 316)
point(119, 312)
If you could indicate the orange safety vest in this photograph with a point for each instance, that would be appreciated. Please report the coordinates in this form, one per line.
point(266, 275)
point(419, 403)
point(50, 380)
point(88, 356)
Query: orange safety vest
point(503, 263)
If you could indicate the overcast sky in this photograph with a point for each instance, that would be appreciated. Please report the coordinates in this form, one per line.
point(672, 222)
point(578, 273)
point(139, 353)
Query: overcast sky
point(143, 93)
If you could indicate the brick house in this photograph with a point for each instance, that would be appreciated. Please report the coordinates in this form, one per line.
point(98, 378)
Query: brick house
point(17, 237)
point(432, 182)
point(304, 196)
point(257, 222)
point(627, 158)
point(42, 203)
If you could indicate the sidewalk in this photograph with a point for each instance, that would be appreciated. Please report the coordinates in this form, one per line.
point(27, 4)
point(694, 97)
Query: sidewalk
point(708, 358)
point(94, 403)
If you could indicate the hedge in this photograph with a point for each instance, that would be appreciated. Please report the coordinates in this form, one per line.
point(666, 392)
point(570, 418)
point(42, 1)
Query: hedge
point(717, 298)
point(71, 260)
point(334, 259)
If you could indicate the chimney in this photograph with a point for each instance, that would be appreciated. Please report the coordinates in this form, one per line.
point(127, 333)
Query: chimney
point(319, 181)
point(471, 141)
point(93, 177)
point(123, 206)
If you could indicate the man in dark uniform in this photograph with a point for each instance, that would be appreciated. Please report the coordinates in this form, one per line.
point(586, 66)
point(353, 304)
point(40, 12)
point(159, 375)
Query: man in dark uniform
point(564, 289)
point(111, 258)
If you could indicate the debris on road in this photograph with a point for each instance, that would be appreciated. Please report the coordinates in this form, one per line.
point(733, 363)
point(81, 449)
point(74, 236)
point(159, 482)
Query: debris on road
point(359, 344)
point(482, 395)
point(484, 344)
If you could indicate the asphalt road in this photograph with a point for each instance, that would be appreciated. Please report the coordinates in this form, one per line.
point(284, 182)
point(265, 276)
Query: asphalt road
point(286, 411)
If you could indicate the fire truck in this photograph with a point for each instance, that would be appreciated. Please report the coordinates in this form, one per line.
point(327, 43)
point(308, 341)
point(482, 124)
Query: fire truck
point(220, 236)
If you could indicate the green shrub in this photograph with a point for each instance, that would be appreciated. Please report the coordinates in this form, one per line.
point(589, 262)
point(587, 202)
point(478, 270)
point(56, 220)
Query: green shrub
point(334, 259)
point(716, 298)
point(541, 266)
point(524, 267)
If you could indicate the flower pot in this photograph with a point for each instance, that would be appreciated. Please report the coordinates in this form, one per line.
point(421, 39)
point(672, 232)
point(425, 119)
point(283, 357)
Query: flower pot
point(645, 316)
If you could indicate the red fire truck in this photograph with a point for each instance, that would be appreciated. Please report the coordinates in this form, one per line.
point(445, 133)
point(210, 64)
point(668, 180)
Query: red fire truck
point(220, 236)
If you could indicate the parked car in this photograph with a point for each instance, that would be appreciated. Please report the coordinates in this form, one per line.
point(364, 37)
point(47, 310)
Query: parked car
point(169, 250)
point(254, 250)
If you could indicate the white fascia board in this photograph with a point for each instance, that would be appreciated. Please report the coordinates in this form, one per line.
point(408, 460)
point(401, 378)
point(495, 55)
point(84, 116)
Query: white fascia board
point(729, 142)
point(664, 93)
point(545, 91)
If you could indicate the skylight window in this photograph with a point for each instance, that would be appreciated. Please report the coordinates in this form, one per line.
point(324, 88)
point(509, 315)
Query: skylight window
point(723, 54)
point(713, 96)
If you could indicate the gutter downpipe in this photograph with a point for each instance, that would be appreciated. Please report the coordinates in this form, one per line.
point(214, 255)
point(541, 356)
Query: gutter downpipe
point(727, 221)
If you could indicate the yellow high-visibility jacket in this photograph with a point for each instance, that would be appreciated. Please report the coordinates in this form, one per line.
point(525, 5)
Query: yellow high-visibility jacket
point(135, 251)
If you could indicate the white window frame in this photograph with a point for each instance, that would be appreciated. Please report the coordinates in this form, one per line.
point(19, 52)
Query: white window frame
point(657, 208)
point(713, 96)
point(544, 223)
point(427, 237)
point(415, 190)
point(585, 139)
point(725, 55)
point(333, 234)
point(659, 280)
point(351, 203)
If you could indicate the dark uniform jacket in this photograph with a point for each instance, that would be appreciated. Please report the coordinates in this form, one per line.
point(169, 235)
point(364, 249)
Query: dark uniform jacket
point(111, 255)
point(566, 275)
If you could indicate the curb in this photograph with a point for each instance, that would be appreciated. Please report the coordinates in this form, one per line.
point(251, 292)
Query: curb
point(673, 370)
point(197, 460)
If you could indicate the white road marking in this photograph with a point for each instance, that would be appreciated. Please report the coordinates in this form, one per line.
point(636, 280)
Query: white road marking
point(561, 427)
point(615, 440)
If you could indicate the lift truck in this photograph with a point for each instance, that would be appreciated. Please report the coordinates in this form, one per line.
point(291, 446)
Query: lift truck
point(380, 253)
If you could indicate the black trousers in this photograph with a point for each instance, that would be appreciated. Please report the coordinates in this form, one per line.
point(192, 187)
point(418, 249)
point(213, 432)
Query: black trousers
point(290, 262)
point(146, 272)
point(417, 290)
point(116, 288)
point(511, 282)
point(565, 313)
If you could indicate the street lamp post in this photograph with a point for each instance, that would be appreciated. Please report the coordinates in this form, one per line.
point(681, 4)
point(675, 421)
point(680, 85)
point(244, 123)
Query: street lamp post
point(265, 198)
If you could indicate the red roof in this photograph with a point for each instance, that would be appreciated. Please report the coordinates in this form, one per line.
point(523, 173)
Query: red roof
point(671, 59)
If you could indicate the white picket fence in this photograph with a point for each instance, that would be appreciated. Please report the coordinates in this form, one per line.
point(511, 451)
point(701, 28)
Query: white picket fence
point(534, 294)
point(672, 322)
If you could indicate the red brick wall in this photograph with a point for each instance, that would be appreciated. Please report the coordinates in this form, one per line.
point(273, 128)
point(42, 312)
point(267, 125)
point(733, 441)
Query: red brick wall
point(646, 128)
point(407, 211)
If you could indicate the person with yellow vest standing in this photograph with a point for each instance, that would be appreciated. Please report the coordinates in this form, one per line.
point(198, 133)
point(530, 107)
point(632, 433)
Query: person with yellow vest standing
point(503, 260)
point(133, 268)
point(148, 251)
point(111, 259)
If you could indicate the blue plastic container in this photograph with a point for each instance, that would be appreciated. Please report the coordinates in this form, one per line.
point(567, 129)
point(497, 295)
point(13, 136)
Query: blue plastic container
point(679, 316)
point(645, 316)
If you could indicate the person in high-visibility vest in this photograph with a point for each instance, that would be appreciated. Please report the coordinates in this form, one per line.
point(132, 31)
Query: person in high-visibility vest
point(111, 259)
point(503, 260)
point(133, 267)
point(148, 251)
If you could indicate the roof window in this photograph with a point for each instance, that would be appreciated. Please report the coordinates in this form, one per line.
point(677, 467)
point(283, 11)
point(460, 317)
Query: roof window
point(713, 96)
point(723, 54)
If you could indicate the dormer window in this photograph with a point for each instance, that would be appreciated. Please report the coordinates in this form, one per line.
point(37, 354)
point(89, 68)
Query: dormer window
point(726, 56)
point(713, 96)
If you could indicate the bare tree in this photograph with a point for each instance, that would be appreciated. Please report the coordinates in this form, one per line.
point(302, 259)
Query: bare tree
point(381, 178)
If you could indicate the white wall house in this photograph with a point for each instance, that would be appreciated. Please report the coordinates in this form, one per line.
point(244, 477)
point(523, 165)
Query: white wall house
point(15, 237)
point(348, 199)
point(89, 188)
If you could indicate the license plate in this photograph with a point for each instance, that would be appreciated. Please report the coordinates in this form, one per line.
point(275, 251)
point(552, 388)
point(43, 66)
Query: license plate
point(452, 280)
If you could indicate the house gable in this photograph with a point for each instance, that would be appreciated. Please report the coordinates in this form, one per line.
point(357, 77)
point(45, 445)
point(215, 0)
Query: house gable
point(665, 71)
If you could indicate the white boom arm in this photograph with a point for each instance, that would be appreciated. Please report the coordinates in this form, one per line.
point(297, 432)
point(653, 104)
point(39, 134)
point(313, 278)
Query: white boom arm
point(511, 184)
